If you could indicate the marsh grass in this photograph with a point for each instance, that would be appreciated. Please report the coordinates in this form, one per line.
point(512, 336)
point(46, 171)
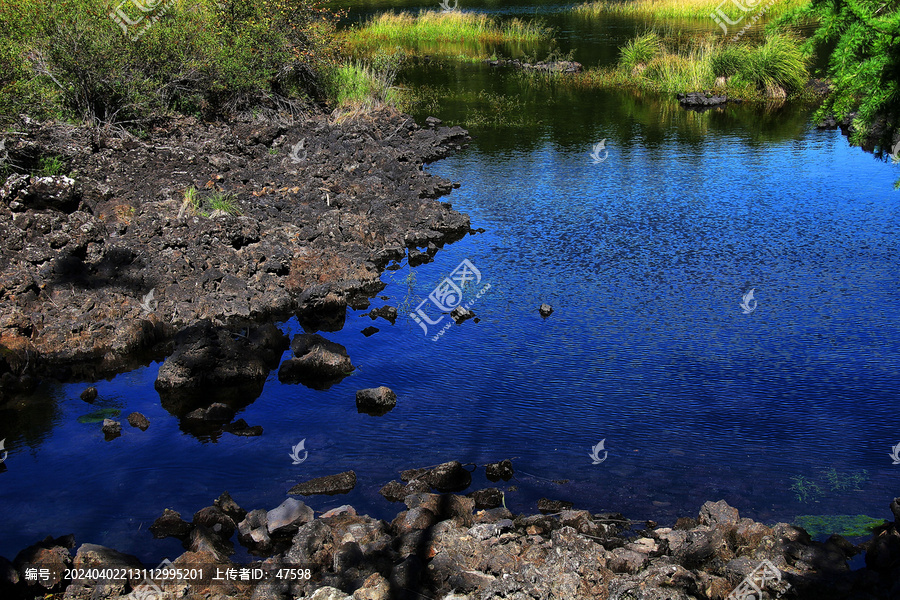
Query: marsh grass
point(218, 204)
point(752, 72)
point(406, 29)
point(675, 9)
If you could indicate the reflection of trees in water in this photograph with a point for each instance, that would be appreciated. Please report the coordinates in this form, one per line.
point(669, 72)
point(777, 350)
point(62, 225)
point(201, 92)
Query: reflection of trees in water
point(28, 419)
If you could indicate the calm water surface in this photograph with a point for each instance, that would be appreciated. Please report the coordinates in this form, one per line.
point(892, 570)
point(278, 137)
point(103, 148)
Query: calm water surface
point(645, 257)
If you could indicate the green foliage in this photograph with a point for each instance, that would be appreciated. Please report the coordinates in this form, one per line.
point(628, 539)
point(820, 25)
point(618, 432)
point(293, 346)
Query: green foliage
point(751, 72)
point(50, 166)
point(841, 482)
point(860, 38)
point(217, 204)
point(640, 50)
point(806, 489)
point(845, 525)
point(197, 56)
point(365, 84)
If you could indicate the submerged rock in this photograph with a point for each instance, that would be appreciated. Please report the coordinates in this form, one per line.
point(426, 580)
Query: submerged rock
point(341, 483)
point(546, 310)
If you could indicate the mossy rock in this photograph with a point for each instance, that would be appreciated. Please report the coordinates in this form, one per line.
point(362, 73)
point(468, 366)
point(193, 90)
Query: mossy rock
point(845, 525)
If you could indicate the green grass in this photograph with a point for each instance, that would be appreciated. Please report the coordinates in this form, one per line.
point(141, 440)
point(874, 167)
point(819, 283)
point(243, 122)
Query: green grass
point(429, 26)
point(845, 525)
point(50, 166)
point(676, 9)
point(775, 68)
point(365, 85)
point(223, 203)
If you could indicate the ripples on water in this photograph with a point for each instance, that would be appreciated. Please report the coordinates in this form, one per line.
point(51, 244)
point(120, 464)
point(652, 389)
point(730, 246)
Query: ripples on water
point(645, 258)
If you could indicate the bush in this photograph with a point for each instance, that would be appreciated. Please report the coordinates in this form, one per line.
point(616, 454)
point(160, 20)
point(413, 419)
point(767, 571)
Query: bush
point(199, 56)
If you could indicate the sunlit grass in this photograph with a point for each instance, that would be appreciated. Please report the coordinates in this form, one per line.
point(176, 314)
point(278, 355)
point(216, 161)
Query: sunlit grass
point(429, 26)
point(678, 9)
point(775, 68)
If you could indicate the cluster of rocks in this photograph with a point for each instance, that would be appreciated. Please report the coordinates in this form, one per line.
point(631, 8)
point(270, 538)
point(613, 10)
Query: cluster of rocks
point(102, 267)
point(443, 546)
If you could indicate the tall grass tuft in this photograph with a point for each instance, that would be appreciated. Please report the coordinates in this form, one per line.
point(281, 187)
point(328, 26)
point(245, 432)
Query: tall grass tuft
point(640, 50)
point(431, 26)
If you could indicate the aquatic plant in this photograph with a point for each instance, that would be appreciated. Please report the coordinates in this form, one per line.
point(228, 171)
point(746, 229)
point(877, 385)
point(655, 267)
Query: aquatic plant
point(365, 85)
point(98, 415)
point(640, 50)
point(845, 525)
point(806, 489)
point(843, 482)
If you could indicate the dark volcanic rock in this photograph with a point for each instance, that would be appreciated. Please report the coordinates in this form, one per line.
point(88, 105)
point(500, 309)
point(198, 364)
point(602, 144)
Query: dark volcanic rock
point(341, 483)
point(99, 272)
point(138, 420)
point(545, 505)
point(487, 498)
point(461, 314)
point(557, 66)
point(287, 518)
point(223, 363)
point(546, 310)
point(52, 554)
point(701, 99)
point(89, 394)
point(447, 477)
point(397, 492)
point(375, 401)
point(499, 470)
point(318, 363)
point(111, 429)
point(170, 524)
point(369, 331)
point(389, 313)
point(231, 508)
point(241, 428)
point(215, 519)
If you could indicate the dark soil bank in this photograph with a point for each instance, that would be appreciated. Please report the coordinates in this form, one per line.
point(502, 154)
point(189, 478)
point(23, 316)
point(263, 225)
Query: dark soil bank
point(102, 258)
point(442, 547)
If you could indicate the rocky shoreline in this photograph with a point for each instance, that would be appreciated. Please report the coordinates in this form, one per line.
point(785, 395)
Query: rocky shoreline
point(113, 244)
point(453, 547)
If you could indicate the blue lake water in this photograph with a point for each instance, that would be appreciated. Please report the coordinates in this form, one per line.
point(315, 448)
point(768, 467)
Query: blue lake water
point(645, 257)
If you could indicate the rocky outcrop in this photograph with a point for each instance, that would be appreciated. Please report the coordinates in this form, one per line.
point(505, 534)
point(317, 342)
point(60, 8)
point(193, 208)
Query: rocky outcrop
point(342, 483)
point(96, 274)
point(442, 546)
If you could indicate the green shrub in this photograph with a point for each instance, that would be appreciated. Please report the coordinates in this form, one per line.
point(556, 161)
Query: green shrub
point(200, 56)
